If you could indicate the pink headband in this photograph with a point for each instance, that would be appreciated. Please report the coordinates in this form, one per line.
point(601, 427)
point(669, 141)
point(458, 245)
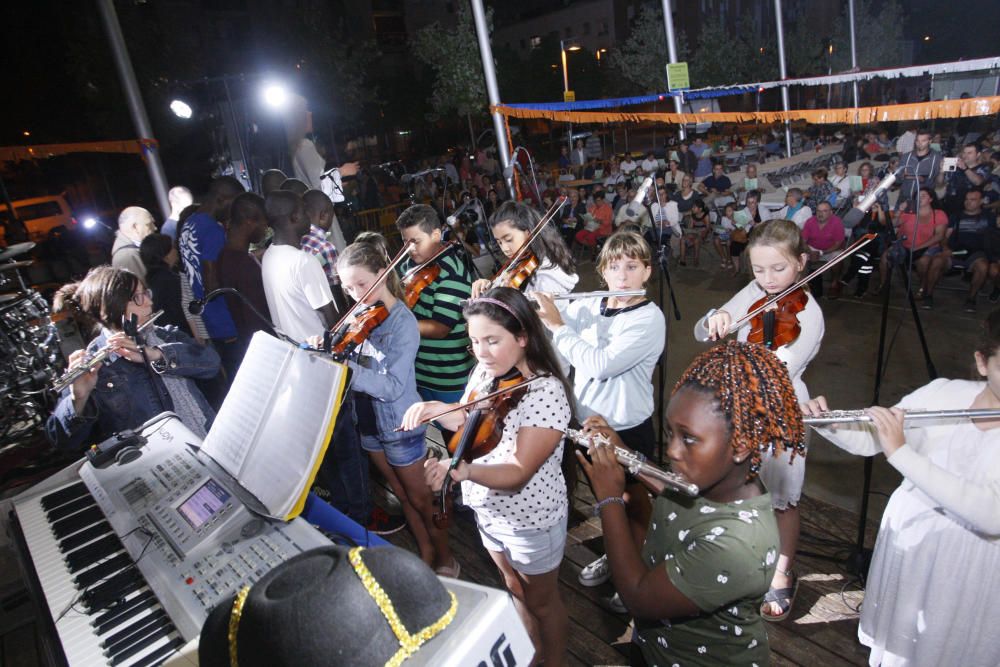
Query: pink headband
point(501, 304)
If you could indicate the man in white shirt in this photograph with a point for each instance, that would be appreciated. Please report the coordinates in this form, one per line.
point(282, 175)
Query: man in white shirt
point(298, 294)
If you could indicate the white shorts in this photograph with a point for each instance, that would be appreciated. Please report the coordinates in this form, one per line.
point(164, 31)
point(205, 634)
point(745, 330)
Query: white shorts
point(783, 478)
point(530, 551)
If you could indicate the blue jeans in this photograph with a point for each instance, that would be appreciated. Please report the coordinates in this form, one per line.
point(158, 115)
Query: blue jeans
point(344, 471)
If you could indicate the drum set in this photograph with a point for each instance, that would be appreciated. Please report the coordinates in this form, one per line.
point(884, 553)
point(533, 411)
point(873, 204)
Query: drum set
point(30, 356)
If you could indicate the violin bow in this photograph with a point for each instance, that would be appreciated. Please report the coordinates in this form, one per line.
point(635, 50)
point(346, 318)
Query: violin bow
point(841, 256)
point(546, 219)
point(400, 256)
point(487, 397)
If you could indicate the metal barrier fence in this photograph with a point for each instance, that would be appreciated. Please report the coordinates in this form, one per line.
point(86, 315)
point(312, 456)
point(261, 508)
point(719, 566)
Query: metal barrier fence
point(381, 220)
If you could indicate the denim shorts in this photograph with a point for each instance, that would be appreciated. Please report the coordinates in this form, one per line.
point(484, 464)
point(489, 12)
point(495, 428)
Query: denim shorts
point(399, 453)
point(530, 551)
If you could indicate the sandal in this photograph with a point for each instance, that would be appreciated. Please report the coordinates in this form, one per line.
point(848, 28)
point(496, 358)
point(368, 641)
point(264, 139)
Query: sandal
point(450, 571)
point(784, 597)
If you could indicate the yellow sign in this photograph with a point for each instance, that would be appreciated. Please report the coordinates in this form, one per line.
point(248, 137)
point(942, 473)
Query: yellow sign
point(569, 96)
point(677, 76)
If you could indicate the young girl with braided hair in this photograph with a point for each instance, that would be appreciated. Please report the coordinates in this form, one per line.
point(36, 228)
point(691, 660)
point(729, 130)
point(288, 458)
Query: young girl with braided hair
point(777, 257)
point(696, 587)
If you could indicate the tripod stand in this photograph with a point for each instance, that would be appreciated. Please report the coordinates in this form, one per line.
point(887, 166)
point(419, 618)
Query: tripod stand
point(662, 257)
point(859, 557)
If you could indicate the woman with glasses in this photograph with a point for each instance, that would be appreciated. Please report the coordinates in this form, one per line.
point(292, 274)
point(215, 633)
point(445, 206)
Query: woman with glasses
point(138, 380)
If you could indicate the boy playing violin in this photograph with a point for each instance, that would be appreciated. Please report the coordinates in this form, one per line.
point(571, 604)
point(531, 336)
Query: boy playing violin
point(443, 361)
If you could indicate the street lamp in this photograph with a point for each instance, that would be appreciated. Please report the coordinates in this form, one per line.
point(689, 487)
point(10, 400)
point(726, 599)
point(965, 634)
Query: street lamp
point(181, 109)
point(564, 46)
point(275, 95)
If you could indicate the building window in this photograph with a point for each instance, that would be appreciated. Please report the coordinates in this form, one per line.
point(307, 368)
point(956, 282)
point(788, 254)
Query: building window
point(536, 42)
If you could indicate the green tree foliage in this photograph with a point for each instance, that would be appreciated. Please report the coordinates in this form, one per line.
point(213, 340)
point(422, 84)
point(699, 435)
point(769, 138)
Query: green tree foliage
point(642, 58)
point(878, 33)
point(453, 54)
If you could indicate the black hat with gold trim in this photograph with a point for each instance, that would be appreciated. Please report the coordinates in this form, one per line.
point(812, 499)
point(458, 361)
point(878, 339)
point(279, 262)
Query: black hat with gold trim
point(330, 606)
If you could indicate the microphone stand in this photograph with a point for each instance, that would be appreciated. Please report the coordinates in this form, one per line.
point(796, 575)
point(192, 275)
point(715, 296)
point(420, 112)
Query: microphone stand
point(198, 305)
point(859, 558)
point(662, 259)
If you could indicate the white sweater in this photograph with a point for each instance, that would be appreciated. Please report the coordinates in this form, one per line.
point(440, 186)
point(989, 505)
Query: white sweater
point(614, 359)
point(924, 459)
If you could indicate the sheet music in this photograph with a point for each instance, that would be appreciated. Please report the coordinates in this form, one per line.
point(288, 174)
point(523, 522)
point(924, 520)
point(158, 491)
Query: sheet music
point(276, 420)
point(289, 441)
point(248, 402)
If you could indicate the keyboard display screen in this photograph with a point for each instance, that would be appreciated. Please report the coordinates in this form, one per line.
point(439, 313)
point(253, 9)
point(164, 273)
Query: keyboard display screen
point(203, 504)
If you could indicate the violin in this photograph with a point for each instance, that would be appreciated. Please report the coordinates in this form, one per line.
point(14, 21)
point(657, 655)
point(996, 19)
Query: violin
point(483, 427)
point(351, 336)
point(419, 277)
point(778, 326)
point(523, 263)
point(346, 336)
point(790, 302)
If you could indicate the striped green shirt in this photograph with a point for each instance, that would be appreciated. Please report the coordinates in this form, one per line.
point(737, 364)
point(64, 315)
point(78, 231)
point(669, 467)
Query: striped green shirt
point(443, 364)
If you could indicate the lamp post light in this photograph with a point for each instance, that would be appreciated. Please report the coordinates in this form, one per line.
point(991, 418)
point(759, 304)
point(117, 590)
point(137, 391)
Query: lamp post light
point(564, 46)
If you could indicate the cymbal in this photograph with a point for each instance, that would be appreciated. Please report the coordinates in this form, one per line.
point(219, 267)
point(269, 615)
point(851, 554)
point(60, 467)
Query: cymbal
point(15, 250)
point(9, 266)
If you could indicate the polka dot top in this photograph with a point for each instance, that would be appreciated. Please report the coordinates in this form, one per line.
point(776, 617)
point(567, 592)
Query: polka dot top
point(542, 502)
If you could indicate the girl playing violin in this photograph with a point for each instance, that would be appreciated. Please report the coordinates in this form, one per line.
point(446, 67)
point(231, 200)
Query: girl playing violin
point(518, 490)
point(512, 225)
point(777, 257)
point(614, 344)
point(695, 586)
point(383, 386)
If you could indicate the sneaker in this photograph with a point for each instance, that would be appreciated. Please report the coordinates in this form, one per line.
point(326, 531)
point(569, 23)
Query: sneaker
point(995, 295)
point(970, 305)
point(382, 523)
point(596, 573)
point(615, 604)
point(928, 302)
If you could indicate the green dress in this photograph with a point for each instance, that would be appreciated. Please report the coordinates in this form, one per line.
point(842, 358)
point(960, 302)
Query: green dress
point(722, 557)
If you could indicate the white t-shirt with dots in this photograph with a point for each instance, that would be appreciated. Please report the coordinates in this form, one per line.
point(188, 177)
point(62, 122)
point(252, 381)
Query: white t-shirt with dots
point(542, 502)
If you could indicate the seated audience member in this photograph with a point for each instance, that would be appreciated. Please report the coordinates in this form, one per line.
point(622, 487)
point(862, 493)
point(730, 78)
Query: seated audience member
point(842, 182)
point(240, 269)
point(795, 209)
point(122, 393)
point(650, 165)
point(602, 214)
point(920, 237)
point(966, 248)
point(159, 256)
point(297, 291)
point(821, 190)
point(715, 185)
point(825, 236)
point(697, 230)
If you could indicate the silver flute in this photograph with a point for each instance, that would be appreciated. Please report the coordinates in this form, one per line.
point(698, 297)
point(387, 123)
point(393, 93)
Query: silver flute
point(859, 416)
point(95, 359)
point(634, 463)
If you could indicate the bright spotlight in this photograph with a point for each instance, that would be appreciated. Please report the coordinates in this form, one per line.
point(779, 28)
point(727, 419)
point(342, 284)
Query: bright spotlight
point(90, 223)
point(275, 95)
point(181, 109)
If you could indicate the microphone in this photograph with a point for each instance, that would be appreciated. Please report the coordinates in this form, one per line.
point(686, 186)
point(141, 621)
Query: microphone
point(854, 216)
point(406, 178)
point(508, 171)
point(640, 195)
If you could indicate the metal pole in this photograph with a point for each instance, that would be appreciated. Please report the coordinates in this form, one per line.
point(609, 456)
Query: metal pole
point(492, 90)
point(784, 75)
point(668, 26)
point(134, 99)
point(565, 67)
point(854, 51)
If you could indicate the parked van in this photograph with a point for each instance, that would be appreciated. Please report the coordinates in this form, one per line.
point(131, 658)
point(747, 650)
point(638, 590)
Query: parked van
point(40, 215)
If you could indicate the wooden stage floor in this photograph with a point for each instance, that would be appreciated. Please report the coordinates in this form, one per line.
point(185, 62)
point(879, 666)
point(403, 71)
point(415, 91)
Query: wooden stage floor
point(822, 629)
